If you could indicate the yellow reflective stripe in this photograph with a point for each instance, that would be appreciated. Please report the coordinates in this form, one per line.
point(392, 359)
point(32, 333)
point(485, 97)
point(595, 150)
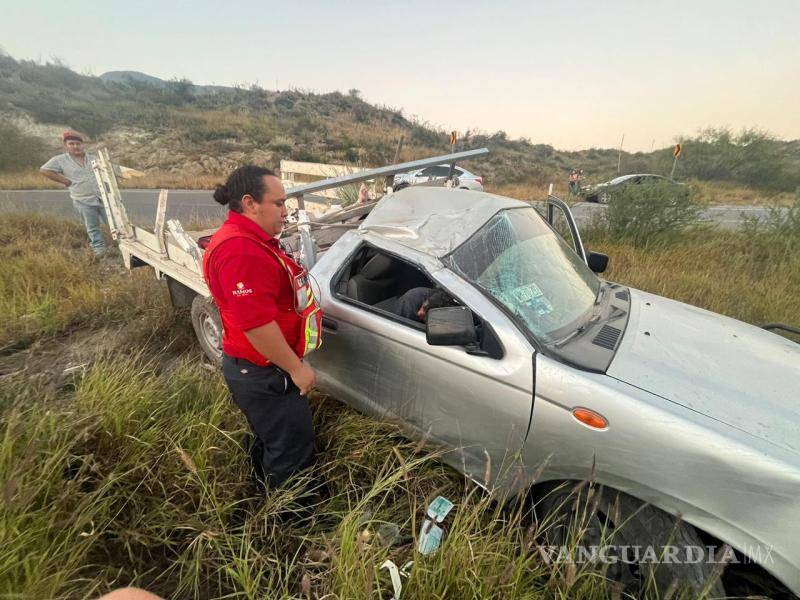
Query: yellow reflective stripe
point(311, 331)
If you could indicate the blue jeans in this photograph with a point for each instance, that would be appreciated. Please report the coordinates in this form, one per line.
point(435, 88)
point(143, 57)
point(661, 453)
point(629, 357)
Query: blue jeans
point(93, 217)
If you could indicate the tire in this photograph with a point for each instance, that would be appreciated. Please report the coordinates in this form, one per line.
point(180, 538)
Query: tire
point(614, 519)
point(208, 328)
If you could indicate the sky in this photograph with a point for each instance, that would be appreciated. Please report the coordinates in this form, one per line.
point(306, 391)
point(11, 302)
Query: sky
point(573, 74)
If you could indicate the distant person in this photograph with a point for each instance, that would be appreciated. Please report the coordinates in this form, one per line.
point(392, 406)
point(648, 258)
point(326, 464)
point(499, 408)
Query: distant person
point(573, 183)
point(363, 194)
point(416, 303)
point(73, 169)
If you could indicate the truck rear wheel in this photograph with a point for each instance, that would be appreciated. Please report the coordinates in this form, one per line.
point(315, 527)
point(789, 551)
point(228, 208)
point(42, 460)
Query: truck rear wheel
point(208, 328)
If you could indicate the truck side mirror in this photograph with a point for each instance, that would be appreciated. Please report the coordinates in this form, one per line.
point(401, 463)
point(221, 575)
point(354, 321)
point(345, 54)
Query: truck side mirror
point(450, 326)
point(597, 261)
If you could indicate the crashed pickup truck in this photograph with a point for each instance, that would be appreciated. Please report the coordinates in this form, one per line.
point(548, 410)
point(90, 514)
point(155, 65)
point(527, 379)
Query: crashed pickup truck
point(687, 422)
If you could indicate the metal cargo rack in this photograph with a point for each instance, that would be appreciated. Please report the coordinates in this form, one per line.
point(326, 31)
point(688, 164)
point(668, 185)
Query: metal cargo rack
point(174, 254)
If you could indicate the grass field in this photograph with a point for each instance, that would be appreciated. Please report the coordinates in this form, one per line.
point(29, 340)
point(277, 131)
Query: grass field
point(121, 459)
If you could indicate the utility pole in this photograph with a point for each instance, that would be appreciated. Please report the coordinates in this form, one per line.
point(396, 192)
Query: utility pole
point(619, 156)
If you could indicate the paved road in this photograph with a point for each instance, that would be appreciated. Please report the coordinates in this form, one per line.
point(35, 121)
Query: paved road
point(187, 205)
point(197, 206)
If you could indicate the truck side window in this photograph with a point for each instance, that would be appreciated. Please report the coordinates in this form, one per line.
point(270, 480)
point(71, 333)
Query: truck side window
point(378, 279)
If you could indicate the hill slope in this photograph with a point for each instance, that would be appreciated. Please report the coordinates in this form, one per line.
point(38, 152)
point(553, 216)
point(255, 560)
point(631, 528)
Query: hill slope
point(180, 128)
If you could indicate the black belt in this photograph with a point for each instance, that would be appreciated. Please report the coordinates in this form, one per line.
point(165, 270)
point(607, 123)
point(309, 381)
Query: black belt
point(247, 363)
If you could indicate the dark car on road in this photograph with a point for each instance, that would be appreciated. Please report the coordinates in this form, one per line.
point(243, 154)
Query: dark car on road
point(601, 192)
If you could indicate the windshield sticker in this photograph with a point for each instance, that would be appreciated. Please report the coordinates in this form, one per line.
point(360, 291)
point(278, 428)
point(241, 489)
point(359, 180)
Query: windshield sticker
point(531, 296)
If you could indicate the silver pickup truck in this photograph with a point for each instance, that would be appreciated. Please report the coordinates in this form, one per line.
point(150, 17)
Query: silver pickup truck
point(686, 422)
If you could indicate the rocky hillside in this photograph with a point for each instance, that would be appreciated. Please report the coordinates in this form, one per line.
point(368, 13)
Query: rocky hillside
point(176, 127)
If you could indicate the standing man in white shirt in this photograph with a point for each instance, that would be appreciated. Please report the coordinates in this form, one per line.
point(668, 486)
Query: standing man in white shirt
point(73, 169)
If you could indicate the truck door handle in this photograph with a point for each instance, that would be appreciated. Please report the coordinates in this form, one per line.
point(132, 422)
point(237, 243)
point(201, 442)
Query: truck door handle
point(328, 323)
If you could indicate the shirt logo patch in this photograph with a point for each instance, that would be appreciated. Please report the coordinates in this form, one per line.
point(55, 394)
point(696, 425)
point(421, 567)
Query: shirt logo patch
point(241, 290)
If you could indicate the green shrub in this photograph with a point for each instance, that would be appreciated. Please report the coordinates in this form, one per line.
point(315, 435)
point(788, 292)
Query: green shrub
point(650, 212)
point(781, 222)
point(19, 150)
point(751, 157)
point(775, 238)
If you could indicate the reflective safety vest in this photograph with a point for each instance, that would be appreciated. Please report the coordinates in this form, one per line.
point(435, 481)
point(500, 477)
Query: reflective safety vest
point(305, 303)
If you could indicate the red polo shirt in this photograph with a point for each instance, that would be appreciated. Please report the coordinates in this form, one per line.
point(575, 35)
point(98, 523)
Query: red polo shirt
point(251, 289)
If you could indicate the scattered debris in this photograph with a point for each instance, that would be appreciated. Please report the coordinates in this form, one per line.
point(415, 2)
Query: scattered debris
point(74, 368)
point(88, 533)
point(395, 574)
point(430, 534)
point(388, 534)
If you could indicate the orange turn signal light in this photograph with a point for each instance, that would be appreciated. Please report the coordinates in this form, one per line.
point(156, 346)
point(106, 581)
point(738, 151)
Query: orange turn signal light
point(590, 418)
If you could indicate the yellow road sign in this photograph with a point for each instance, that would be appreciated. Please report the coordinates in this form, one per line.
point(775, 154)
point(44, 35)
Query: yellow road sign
point(677, 151)
point(453, 138)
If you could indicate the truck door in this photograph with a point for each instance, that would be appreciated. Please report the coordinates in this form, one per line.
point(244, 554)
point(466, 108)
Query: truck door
point(478, 405)
point(561, 219)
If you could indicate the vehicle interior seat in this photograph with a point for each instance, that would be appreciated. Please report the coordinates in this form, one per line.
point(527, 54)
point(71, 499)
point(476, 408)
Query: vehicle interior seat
point(375, 282)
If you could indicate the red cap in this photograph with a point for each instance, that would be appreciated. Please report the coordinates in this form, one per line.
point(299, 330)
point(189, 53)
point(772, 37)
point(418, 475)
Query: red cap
point(71, 135)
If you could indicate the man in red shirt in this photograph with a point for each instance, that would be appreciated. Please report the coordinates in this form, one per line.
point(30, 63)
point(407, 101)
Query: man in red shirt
point(265, 333)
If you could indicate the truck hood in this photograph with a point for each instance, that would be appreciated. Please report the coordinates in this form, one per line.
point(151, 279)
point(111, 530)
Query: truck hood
point(730, 371)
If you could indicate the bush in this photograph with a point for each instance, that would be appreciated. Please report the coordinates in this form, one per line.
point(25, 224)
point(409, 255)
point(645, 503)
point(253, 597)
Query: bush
point(646, 213)
point(776, 237)
point(19, 150)
point(752, 157)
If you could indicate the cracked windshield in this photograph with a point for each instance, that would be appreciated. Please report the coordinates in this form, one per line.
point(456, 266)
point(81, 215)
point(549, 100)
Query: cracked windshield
point(523, 264)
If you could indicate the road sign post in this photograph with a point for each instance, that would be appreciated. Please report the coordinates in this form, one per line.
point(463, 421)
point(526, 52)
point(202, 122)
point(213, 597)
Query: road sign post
point(676, 152)
point(453, 140)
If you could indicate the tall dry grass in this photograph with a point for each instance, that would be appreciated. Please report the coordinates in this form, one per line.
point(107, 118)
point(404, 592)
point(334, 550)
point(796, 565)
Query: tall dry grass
point(51, 281)
point(130, 469)
point(724, 192)
point(751, 274)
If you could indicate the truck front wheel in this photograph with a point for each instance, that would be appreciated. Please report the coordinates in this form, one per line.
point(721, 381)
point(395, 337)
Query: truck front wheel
point(645, 550)
point(208, 328)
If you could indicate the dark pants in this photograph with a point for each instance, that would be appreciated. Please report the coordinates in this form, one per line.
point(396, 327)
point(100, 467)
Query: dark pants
point(278, 415)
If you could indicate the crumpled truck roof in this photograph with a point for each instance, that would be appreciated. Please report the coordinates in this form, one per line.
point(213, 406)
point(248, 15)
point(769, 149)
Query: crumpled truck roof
point(432, 220)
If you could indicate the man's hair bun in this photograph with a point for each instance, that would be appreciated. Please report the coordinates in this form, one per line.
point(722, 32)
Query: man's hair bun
point(221, 194)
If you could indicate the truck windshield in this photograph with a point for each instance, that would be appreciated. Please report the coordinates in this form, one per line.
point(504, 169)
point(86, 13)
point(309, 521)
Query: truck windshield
point(527, 267)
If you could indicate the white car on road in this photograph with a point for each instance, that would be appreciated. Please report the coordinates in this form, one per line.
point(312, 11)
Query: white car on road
point(438, 173)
